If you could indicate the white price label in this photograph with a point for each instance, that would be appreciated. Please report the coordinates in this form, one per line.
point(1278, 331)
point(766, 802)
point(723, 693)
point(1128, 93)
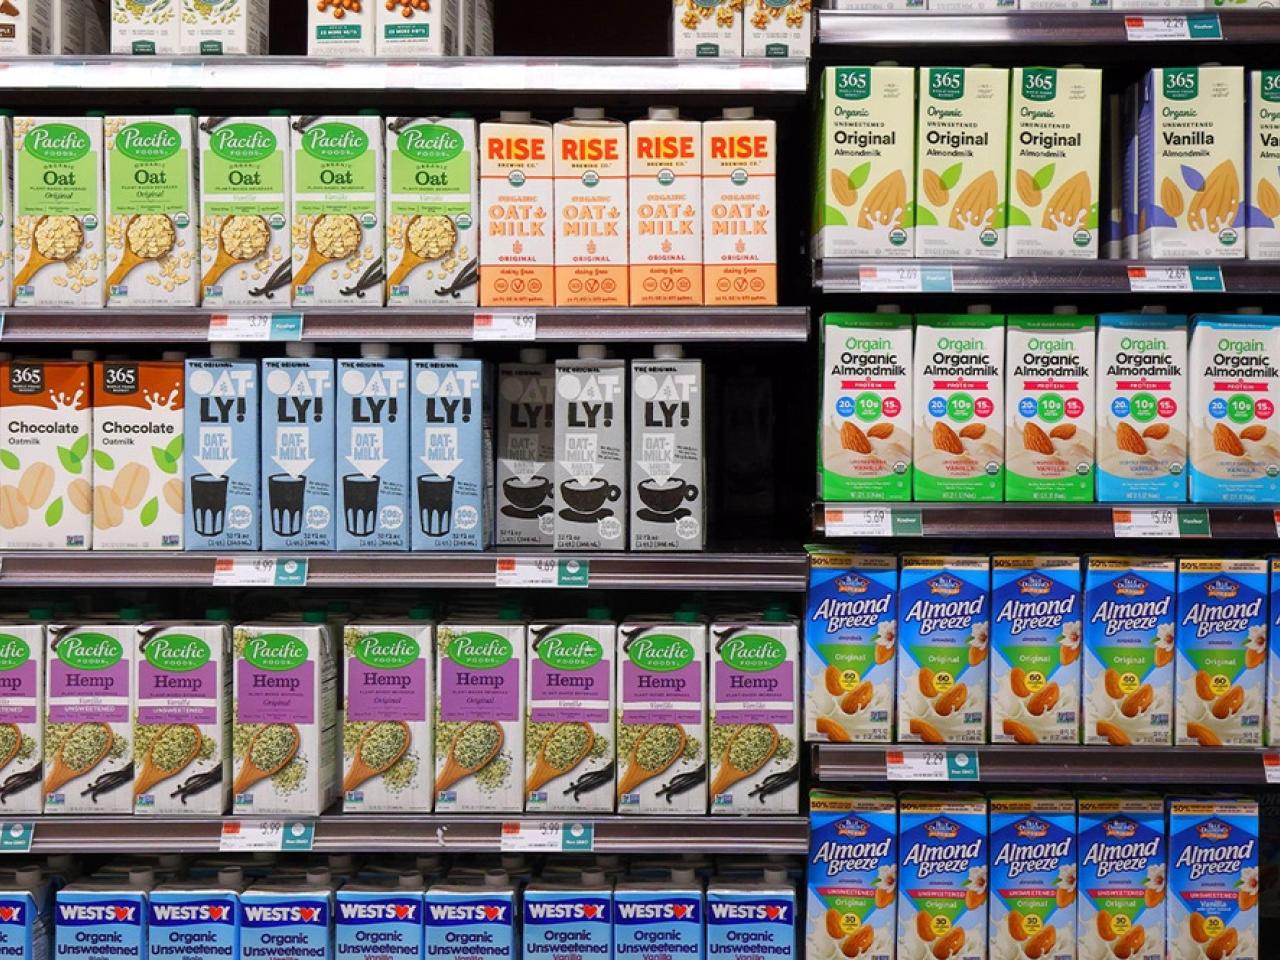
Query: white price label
point(243, 327)
point(505, 326)
point(256, 835)
point(1175, 278)
point(890, 278)
point(541, 572)
point(1145, 522)
point(1165, 28)
point(1271, 767)
point(930, 763)
point(260, 572)
point(547, 836)
point(858, 522)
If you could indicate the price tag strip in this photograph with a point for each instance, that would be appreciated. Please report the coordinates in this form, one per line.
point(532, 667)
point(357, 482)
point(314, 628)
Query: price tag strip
point(260, 572)
point(238, 836)
point(541, 572)
point(904, 278)
point(505, 326)
point(245, 327)
point(1175, 279)
point(1196, 26)
point(1168, 522)
point(873, 522)
point(547, 836)
point(931, 763)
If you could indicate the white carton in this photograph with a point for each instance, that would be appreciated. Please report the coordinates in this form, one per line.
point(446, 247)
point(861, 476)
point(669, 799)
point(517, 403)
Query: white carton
point(591, 210)
point(972, 6)
point(1262, 215)
point(706, 28)
point(22, 680)
point(665, 168)
point(228, 28)
point(413, 29)
point(739, 206)
point(27, 30)
point(6, 211)
point(1064, 4)
point(778, 28)
point(151, 29)
point(517, 246)
point(342, 28)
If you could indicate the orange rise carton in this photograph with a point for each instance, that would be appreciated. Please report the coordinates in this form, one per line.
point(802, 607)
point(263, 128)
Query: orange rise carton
point(739, 186)
point(591, 210)
point(517, 244)
point(665, 167)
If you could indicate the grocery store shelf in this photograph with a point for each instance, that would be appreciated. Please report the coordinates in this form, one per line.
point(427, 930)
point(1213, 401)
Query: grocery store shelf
point(841, 763)
point(564, 324)
point(424, 833)
point(769, 570)
point(1061, 29)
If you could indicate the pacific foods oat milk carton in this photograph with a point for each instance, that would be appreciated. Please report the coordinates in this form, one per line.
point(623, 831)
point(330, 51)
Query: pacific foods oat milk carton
point(57, 200)
point(1033, 876)
point(1213, 877)
point(1191, 155)
point(342, 28)
point(962, 162)
point(591, 452)
point(235, 29)
point(408, 29)
point(851, 641)
point(1035, 637)
point(942, 881)
point(1142, 408)
point(706, 28)
point(1262, 214)
point(1129, 629)
point(524, 512)
point(591, 210)
point(959, 407)
point(668, 460)
point(1220, 675)
point(1235, 386)
point(739, 205)
point(1049, 408)
point(1055, 148)
point(865, 418)
point(778, 28)
point(337, 195)
point(1122, 879)
point(866, 152)
point(945, 612)
point(22, 680)
point(137, 453)
point(664, 165)
point(517, 238)
point(47, 493)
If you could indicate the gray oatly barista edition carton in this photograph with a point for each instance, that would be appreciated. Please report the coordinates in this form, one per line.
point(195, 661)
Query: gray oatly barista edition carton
point(591, 452)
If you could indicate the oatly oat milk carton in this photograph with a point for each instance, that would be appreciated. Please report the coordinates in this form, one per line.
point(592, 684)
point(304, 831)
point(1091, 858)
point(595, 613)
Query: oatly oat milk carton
point(945, 612)
point(664, 166)
point(591, 210)
point(591, 452)
point(517, 238)
point(1033, 876)
point(1122, 879)
point(1262, 215)
point(853, 876)
point(22, 693)
point(1220, 675)
point(740, 209)
point(668, 465)
point(524, 512)
point(851, 642)
point(1213, 878)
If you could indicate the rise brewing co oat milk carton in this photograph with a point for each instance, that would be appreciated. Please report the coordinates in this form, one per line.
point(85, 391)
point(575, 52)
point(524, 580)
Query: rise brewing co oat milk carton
point(1122, 879)
point(664, 164)
point(591, 210)
point(945, 613)
point(524, 512)
point(591, 452)
point(1033, 877)
point(739, 204)
point(853, 876)
point(22, 682)
point(517, 240)
point(1262, 215)
point(1213, 878)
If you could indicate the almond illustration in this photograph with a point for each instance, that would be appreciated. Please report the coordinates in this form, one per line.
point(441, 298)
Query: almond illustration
point(1028, 192)
point(1214, 206)
point(1171, 198)
point(1020, 732)
point(1130, 943)
point(1204, 685)
point(1068, 207)
point(1226, 441)
point(1065, 897)
point(1254, 432)
point(858, 698)
point(976, 205)
point(1164, 656)
point(1247, 900)
point(1103, 923)
point(1223, 945)
point(885, 203)
point(925, 679)
point(945, 439)
point(1045, 700)
point(831, 680)
point(1063, 431)
point(1017, 929)
point(934, 190)
point(952, 943)
point(1068, 654)
point(884, 652)
point(1157, 431)
point(976, 654)
point(1203, 735)
point(835, 924)
point(1268, 199)
point(951, 701)
point(1129, 440)
point(845, 193)
point(1195, 926)
point(1139, 701)
point(1111, 681)
point(880, 431)
point(1253, 658)
point(1036, 440)
point(1153, 896)
point(832, 730)
point(1229, 704)
point(924, 926)
point(857, 943)
point(1115, 736)
point(1042, 943)
point(926, 731)
point(1018, 682)
point(884, 896)
point(851, 438)
point(973, 431)
point(973, 899)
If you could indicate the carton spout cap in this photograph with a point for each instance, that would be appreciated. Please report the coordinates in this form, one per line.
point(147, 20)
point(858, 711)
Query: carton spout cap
point(142, 878)
point(592, 876)
point(409, 880)
point(588, 113)
point(668, 351)
point(886, 63)
point(775, 875)
point(1152, 309)
point(1065, 310)
point(84, 356)
point(28, 877)
point(5, 356)
point(739, 113)
point(664, 113)
point(341, 862)
point(172, 861)
point(375, 351)
point(173, 356)
point(889, 308)
point(515, 116)
point(319, 877)
point(682, 875)
point(592, 351)
point(230, 877)
point(533, 355)
point(427, 863)
point(513, 862)
point(1250, 311)
point(978, 309)
point(496, 878)
point(224, 351)
point(297, 348)
point(447, 351)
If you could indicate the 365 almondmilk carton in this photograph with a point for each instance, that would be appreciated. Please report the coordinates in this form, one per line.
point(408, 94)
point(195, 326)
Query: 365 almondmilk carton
point(371, 451)
point(1262, 160)
point(1213, 878)
point(945, 615)
point(22, 680)
point(853, 876)
point(942, 880)
point(591, 451)
point(1220, 676)
point(851, 642)
point(1033, 877)
point(523, 513)
point(1123, 877)
point(1036, 609)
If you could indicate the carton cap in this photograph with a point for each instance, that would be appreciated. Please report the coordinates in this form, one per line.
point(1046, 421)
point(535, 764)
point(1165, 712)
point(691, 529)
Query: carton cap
point(28, 876)
point(592, 351)
point(447, 351)
point(739, 113)
point(775, 875)
point(608, 861)
point(515, 116)
point(1065, 310)
point(171, 861)
point(496, 878)
point(592, 876)
point(223, 350)
point(5, 357)
point(230, 877)
point(978, 309)
point(173, 356)
point(409, 880)
point(264, 856)
point(375, 351)
point(1250, 311)
point(533, 355)
point(296, 348)
point(142, 878)
point(319, 877)
point(341, 861)
point(668, 351)
point(513, 862)
point(664, 113)
point(682, 875)
point(314, 616)
point(588, 113)
point(889, 308)
point(84, 356)
point(426, 863)
point(1154, 309)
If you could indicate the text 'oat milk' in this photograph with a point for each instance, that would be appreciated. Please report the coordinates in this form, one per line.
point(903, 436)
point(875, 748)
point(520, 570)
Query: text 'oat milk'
point(22, 682)
point(752, 918)
point(591, 452)
point(660, 919)
point(942, 880)
point(1122, 878)
point(865, 419)
point(1213, 877)
point(959, 407)
point(1222, 652)
point(945, 612)
point(1262, 214)
point(1033, 877)
point(1035, 637)
point(853, 876)
point(1129, 629)
point(866, 152)
point(472, 921)
point(524, 512)
point(372, 451)
point(517, 241)
point(851, 634)
point(739, 204)
point(664, 165)
point(591, 210)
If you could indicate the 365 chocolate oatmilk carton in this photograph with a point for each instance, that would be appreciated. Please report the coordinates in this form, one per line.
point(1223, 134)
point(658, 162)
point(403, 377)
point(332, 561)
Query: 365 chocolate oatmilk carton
point(591, 452)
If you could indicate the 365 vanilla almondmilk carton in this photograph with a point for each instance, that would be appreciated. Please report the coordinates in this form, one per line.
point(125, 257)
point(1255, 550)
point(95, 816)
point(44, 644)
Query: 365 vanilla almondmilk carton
point(853, 876)
point(943, 876)
point(1123, 875)
point(1262, 214)
point(1214, 878)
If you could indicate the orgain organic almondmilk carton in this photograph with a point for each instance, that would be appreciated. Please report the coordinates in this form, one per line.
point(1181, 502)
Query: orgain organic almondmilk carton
point(517, 245)
point(1262, 214)
point(591, 209)
point(664, 164)
point(1033, 876)
point(853, 876)
point(739, 206)
point(1123, 877)
point(1213, 878)
point(525, 407)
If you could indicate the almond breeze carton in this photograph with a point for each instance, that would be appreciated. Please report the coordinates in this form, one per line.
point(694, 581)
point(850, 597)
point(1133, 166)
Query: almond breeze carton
point(1122, 880)
point(1262, 215)
point(524, 513)
point(1222, 652)
point(851, 641)
point(1129, 629)
point(1213, 878)
point(942, 881)
point(1035, 667)
point(22, 684)
point(945, 613)
point(372, 451)
point(1033, 877)
point(297, 450)
point(853, 876)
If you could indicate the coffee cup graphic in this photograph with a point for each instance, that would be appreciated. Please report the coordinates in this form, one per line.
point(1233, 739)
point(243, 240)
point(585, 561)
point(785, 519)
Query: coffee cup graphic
point(666, 496)
point(284, 500)
point(435, 504)
point(208, 504)
point(588, 496)
point(526, 494)
point(360, 503)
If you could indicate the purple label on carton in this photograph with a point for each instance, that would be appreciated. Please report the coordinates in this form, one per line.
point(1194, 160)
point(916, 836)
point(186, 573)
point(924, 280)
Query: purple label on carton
point(110, 682)
point(276, 696)
point(18, 683)
point(472, 694)
point(589, 686)
point(744, 687)
point(189, 687)
point(381, 695)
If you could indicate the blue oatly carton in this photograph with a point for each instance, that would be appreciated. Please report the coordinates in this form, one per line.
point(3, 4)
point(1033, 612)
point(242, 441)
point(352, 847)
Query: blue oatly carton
point(380, 921)
point(103, 919)
point(196, 919)
point(221, 451)
point(569, 921)
point(288, 920)
point(659, 919)
point(451, 452)
point(750, 919)
point(373, 451)
point(26, 928)
point(472, 921)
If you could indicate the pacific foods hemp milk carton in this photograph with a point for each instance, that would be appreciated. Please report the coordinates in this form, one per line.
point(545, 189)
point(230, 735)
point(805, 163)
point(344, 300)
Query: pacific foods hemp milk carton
point(1262, 214)
point(851, 641)
point(1220, 675)
point(866, 152)
point(739, 206)
point(778, 28)
point(1191, 155)
point(342, 28)
point(664, 164)
point(591, 210)
point(945, 611)
point(959, 407)
point(1049, 408)
point(1033, 876)
point(1213, 877)
point(706, 28)
point(47, 494)
point(22, 680)
point(1123, 877)
point(865, 414)
point(524, 514)
point(962, 162)
point(517, 240)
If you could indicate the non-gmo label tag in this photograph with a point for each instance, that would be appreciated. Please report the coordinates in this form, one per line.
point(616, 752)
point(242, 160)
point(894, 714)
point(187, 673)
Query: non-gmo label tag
point(16, 837)
point(547, 836)
point(277, 835)
point(541, 572)
point(1197, 26)
point(505, 326)
point(242, 327)
point(1175, 279)
point(260, 572)
point(930, 763)
point(904, 278)
point(872, 522)
point(1174, 522)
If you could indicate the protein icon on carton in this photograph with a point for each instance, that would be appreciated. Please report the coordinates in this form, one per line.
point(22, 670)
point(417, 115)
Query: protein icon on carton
point(1033, 877)
point(591, 210)
point(517, 243)
point(1214, 878)
point(665, 191)
point(853, 876)
point(1123, 877)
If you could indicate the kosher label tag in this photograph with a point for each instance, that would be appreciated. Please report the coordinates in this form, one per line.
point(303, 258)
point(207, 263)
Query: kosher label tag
point(243, 327)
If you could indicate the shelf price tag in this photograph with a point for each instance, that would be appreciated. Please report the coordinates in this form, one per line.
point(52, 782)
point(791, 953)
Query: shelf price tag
point(541, 572)
point(238, 836)
point(1271, 766)
point(931, 763)
point(505, 326)
point(1197, 26)
point(1170, 522)
point(244, 327)
point(872, 522)
point(1175, 279)
point(16, 837)
point(547, 836)
point(904, 278)
point(260, 572)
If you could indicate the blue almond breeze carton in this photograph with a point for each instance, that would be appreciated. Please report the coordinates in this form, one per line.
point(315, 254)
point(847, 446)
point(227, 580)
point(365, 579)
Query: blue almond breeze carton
point(1213, 878)
point(299, 909)
point(451, 453)
point(659, 919)
point(942, 878)
point(1121, 903)
point(221, 428)
point(26, 927)
point(103, 919)
point(380, 921)
point(469, 920)
point(749, 919)
point(195, 918)
point(372, 451)
point(853, 869)
point(297, 450)
point(1033, 876)
point(569, 920)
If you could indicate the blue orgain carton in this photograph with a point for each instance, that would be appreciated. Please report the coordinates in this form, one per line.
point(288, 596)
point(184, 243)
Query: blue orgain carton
point(379, 921)
point(1033, 877)
point(1123, 877)
point(297, 451)
point(220, 453)
point(1213, 878)
point(372, 451)
point(853, 876)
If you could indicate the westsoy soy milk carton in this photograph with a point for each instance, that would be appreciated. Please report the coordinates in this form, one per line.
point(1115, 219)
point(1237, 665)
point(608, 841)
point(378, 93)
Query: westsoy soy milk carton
point(945, 613)
point(664, 164)
point(1213, 878)
point(962, 162)
point(750, 918)
point(660, 919)
point(1191, 156)
point(1262, 215)
point(1220, 674)
point(590, 495)
point(46, 471)
point(851, 642)
point(472, 920)
point(739, 206)
point(1122, 878)
point(590, 172)
point(942, 879)
point(1129, 630)
point(1235, 386)
point(1036, 609)
point(103, 912)
point(22, 682)
point(524, 514)
point(189, 914)
point(517, 238)
point(568, 920)
point(1142, 408)
point(865, 419)
point(853, 876)
point(378, 920)
point(866, 152)
point(294, 912)
point(1049, 408)
point(25, 898)
point(1055, 148)
point(1033, 877)
point(959, 407)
